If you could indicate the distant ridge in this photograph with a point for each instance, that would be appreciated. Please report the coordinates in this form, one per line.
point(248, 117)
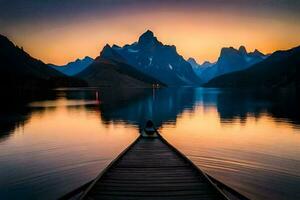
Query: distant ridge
point(75, 67)
point(104, 72)
point(19, 70)
point(230, 60)
point(281, 69)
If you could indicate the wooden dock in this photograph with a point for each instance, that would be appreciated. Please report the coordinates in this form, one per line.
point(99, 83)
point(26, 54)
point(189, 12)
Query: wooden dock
point(151, 168)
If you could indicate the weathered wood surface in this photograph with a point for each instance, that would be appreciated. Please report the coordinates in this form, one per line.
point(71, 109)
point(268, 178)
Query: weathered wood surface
point(152, 169)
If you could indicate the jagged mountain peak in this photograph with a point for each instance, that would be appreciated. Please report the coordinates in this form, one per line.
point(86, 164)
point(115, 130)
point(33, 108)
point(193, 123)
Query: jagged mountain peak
point(107, 46)
point(231, 50)
point(228, 50)
point(106, 51)
point(87, 58)
point(153, 58)
point(147, 34)
point(84, 59)
point(279, 70)
point(257, 53)
point(114, 46)
point(230, 60)
point(74, 67)
point(110, 53)
point(243, 50)
point(147, 38)
point(193, 62)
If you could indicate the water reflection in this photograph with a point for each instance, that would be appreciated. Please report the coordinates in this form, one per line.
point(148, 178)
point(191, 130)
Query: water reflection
point(135, 106)
point(237, 104)
point(249, 139)
point(15, 112)
point(162, 106)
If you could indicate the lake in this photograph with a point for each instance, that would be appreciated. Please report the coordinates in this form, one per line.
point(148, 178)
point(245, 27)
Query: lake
point(53, 142)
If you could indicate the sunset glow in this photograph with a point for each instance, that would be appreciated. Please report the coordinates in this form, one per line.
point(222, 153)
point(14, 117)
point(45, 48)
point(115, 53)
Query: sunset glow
point(197, 29)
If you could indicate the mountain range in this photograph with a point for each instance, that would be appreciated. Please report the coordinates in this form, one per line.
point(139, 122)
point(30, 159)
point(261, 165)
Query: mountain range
point(279, 70)
point(230, 60)
point(149, 62)
point(75, 67)
point(19, 70)
point(113, 73)
point(151, 57)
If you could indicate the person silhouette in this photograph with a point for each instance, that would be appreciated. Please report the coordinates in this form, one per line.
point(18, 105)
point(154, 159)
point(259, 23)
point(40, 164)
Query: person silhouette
point(149, 130)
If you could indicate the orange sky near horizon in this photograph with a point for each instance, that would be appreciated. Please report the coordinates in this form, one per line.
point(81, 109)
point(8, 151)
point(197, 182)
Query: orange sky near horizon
point(196, 33)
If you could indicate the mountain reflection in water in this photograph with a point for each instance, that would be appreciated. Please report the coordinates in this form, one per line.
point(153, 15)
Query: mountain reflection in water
point(248, 139)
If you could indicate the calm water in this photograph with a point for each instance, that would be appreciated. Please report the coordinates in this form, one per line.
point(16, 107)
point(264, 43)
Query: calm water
point(52, 143)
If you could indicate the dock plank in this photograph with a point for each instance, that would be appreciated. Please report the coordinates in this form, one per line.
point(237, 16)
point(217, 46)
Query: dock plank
point(151, 169)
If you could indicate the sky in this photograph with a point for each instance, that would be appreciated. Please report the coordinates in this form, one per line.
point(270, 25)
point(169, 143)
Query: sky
point(59, 31)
